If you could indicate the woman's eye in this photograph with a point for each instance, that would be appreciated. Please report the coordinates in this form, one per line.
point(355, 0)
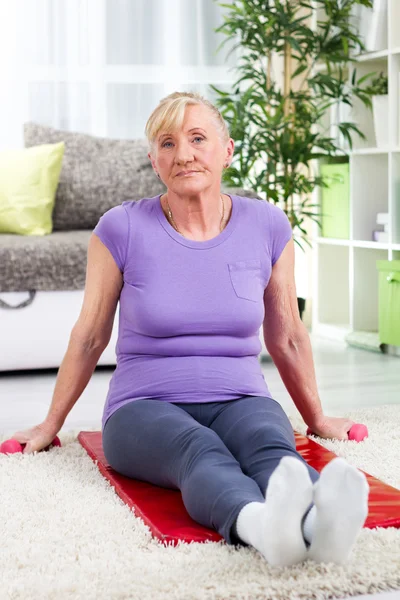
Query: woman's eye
point(198, 137)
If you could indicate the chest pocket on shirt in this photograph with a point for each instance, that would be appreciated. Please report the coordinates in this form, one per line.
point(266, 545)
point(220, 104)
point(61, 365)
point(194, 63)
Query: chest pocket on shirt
point(246, 278)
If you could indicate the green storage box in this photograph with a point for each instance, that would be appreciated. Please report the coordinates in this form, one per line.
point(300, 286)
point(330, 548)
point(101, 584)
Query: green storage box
point(335, 209)
point(389, 301)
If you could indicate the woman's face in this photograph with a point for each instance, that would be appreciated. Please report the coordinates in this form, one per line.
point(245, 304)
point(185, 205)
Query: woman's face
point(197, 147)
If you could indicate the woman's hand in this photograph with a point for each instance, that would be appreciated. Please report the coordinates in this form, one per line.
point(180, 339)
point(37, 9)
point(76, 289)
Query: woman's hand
point(36, 438)
point(332, 427)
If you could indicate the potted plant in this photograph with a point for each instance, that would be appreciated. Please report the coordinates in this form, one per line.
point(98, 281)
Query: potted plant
point(275, 114)
point(378, 89)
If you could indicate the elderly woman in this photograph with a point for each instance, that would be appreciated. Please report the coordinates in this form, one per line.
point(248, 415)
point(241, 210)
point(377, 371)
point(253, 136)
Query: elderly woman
point(197, 273)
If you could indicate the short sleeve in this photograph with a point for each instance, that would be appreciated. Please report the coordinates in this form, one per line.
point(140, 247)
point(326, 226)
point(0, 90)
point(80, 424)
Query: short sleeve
point(113, 231)
point(280, 233)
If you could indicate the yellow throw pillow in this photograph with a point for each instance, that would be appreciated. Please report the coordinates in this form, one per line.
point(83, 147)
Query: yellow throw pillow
point(28, 185)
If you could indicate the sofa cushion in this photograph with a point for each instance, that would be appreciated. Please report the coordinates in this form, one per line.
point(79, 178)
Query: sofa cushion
point(97, 174)
point(28, 184)
point(45, 263)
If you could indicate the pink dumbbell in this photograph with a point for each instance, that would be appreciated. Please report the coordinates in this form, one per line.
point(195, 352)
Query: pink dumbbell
point(13, 446)
point(357, 432)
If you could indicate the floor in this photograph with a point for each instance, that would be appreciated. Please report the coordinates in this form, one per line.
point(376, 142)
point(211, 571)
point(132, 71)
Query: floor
point(347, 378)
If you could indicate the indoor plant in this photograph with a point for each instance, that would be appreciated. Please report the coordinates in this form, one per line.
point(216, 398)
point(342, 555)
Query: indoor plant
point(276, 121)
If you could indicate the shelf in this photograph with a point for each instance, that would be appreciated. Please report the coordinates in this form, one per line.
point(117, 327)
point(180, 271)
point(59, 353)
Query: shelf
point(357, 243)
point(368, 244)
point(370, 56)
point(387, 150)
point(370, 151)
point(332, 241)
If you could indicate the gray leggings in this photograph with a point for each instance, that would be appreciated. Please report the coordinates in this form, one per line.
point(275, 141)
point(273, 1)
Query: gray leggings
point(220, 455)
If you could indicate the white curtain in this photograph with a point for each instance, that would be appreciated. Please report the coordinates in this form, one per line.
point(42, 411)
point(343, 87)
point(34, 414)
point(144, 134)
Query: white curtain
point(101, 66)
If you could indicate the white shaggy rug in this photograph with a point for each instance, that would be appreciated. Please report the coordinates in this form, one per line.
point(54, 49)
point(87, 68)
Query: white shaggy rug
point(65, 534)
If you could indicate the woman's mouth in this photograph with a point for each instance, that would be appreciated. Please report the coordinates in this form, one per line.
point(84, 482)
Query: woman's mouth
point(186, 173)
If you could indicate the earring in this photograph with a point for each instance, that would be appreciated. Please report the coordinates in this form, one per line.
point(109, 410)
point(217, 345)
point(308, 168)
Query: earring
point(158, 175)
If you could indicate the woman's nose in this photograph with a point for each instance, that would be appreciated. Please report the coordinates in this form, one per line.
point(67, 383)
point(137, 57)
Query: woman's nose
point(183, 154)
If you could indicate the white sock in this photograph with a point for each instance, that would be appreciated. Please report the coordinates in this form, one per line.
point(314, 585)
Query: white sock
point(250, 518)
point(274, 527)
point(248, 523)
point(341, 500)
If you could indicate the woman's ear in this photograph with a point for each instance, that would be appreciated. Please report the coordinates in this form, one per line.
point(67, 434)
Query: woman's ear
point(153, 162)
point(230, 149)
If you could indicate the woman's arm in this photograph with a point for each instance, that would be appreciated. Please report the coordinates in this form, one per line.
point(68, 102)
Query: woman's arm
point(73, 376)
point(91, 333)
point(287, 340)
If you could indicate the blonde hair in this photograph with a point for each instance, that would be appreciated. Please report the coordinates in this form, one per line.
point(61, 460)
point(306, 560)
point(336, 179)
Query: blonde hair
point(170, 112)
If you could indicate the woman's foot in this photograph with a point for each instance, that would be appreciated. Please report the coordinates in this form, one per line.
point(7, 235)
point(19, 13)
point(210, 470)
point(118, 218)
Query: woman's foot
point(289, 494)
point(341, 501)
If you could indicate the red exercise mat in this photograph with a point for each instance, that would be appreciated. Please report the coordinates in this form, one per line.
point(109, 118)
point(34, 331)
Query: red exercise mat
point(165, 514)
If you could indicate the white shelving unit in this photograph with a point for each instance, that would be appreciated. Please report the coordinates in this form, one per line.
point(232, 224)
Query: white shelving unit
point(345, 277)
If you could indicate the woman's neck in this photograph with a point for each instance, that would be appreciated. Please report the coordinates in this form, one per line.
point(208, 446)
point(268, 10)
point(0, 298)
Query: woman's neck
point(195, 223)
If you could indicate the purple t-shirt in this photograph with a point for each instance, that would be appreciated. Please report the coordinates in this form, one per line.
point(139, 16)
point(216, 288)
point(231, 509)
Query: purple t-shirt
point(190, 312)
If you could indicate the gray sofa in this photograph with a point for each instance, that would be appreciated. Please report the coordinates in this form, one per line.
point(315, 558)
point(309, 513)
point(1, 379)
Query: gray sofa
point(42, 278)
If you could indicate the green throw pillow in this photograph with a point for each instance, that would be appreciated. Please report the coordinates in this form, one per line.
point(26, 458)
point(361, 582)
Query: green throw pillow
point(28, 184)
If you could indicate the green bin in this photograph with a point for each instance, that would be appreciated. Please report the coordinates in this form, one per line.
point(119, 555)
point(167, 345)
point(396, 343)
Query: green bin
point(335, 218)
point(389, 301)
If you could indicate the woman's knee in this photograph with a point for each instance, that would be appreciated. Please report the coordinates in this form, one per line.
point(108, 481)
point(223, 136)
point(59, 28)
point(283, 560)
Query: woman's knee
point(123, 439)
point(282, 425)
point(271, 428)
point(146, 441)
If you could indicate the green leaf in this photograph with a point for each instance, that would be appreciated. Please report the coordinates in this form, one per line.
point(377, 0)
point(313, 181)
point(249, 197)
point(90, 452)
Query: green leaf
point(299, 70)
point(365, 77)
